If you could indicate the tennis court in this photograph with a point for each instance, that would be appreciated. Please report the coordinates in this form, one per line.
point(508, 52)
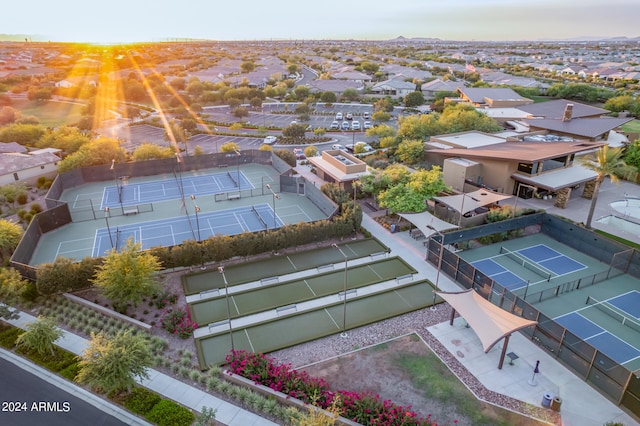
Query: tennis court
point(297, 291)
point(516, 269)
point(175, 230)
point(294, 329)
point(280, 265)
point(599, 322)
point(173, 189)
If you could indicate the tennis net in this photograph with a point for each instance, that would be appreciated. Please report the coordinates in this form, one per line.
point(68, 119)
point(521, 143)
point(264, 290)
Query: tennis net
point(259, 217)
point(614, 312)
point(234, 180)
point(533, 267)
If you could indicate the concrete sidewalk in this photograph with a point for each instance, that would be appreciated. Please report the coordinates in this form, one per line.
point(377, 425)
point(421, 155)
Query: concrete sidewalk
point(158, 382)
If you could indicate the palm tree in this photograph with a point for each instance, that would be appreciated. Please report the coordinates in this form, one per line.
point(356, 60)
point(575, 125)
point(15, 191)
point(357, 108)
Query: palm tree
point(605, 162)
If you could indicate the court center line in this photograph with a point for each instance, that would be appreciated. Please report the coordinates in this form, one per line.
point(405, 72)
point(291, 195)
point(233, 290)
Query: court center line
point(291, 262)
point(332, 319)
point(402, 298)
point(246, 333)
point(310, 289)
point(235, 305)
point(374, 271)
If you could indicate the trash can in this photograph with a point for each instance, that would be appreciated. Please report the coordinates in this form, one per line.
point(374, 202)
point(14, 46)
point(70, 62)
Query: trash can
point(556, 403)
point(546, 400)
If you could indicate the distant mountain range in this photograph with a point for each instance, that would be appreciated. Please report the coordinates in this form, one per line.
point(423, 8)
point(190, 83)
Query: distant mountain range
point(41, 38)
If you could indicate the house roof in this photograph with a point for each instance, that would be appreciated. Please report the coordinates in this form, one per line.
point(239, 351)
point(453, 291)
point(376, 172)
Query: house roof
point(468, 140)
point(470, 201)
point(555, 109)
point(441, 86)
point(6, 147)
point(583, 127)
point(559, 178)
point(524, 151)
point(480, 95)
point(490, 322)
point(395, 83)
point(15, 162)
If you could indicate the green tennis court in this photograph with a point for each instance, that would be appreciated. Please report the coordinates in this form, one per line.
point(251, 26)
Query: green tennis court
point(279, 265)
point(286, 293)
point(297, 328)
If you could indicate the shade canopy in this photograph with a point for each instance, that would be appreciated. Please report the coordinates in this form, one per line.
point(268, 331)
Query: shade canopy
point(427, 223)
point(470, 201)
point(490, 322)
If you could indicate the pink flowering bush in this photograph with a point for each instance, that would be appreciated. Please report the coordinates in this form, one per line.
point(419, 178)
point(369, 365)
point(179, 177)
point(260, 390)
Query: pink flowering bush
point(178, 321)
point(364, 408)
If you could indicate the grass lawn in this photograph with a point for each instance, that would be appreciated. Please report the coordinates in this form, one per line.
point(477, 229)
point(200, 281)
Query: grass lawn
point(632, 126)
point(50, 113)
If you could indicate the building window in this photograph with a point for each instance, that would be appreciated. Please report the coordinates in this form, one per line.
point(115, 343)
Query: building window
point(525, 168)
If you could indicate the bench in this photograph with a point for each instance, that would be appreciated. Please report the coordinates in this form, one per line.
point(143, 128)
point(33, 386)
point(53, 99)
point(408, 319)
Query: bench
point(233, 197)
point(130, 211)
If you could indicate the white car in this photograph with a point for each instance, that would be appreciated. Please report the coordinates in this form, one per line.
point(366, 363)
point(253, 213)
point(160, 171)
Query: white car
point(270, 140)
point(339, 147)
point(339, 116)
point(335, 125)
point(345, 125)
point(366, 115)
point(349, 116)
point(355, 125)
point(366, 125)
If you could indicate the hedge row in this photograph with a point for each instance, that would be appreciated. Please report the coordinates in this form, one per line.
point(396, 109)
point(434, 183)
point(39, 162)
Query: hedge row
point(66, 275)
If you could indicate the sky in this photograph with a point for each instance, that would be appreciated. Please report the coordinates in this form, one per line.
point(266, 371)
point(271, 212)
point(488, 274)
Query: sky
point(120, 21)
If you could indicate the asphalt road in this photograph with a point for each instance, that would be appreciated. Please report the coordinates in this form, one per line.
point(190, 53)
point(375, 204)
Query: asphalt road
point(19, 390)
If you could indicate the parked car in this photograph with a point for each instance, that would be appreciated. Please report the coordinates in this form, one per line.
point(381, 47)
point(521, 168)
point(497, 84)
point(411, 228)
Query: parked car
point(345, 125)
point(335, 125)
point(365, 147)
point(366, 125)
point(339, 116)
point(355, 125)
point(366, 115)
point(349, 116)
point(299, 153)
point(338, 147)
point(270, 140)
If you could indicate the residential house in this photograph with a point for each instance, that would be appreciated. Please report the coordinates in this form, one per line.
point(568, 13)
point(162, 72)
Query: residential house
point(432, 87)
point(28, 167)
point(492, 97)
point(396, 87)
point(339, 167)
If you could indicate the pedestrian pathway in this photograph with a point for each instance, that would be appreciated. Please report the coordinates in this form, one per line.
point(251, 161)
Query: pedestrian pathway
point(158, 382)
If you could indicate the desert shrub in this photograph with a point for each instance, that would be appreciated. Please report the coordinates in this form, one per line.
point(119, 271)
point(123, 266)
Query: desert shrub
point(141, 400)
point(168, 413)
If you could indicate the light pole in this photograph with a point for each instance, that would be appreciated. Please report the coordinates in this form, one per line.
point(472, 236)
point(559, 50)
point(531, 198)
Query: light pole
point(226, 292)
point(275, 197)
point(344, 303)
point(237, 166)
point(118, 187)
point(106, 219)
point(433, 305)
point(197, 210)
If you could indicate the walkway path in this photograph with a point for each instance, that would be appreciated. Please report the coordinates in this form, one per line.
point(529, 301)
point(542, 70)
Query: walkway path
point(158, 382)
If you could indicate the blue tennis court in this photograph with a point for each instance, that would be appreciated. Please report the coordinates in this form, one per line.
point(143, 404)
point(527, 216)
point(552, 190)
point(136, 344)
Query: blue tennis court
point(173, 231)
point(174, 189)
point(628, 302)
point(499, 274)
point(614, 347)
point(551, 259)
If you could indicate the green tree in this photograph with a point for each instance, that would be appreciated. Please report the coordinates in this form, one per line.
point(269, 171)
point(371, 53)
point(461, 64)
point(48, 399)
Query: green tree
point(8, 115)
point(98, 151)
point(619, 103)
point(414, 99)
point(412, 196)
point(328, 97)
point(67, 138)
point(112, 364)
point(632, 155)
point(419, 127)
point(247, 66)
point(301, 92)
point(24, 134)
point(12, 192)
point(605, 162)
point(311, 151)
point(295, 131)
point(383, 104)
point(230, 147)
point(10, 235)
point(381, 131)
point(381, 116)
point(410, 151)
point(286, 155)
point(240, 112)
point(39, 336)
point(350, 94)
point(12, 286)
point(151, 151)
point(128, 275)
point(174, 133)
